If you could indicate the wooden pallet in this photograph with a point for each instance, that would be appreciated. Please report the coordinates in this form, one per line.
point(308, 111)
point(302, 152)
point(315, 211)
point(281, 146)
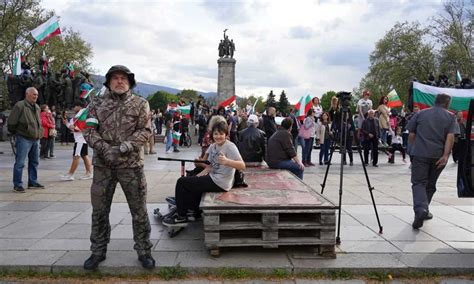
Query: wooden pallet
point(281, 211)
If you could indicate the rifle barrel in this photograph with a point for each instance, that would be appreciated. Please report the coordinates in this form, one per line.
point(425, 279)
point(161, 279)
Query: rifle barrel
point(182, 160)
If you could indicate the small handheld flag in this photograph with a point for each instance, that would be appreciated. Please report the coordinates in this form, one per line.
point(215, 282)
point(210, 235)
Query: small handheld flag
point(80, 118)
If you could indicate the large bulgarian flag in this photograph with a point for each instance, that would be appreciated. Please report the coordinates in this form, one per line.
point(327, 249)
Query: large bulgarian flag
point(228, 101)
point(424, 97)
point(394, 99)
point(46, 30)
point(302, 107)
point(185, 110)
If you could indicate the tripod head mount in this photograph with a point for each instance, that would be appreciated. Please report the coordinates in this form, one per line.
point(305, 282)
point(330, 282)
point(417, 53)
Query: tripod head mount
point(345, 98)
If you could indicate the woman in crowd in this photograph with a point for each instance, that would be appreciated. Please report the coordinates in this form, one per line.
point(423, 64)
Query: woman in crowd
point(317, 108)
point(309, 126)
point(218, 176)
point(47, 124)
point(325, 134)
point(384, 116)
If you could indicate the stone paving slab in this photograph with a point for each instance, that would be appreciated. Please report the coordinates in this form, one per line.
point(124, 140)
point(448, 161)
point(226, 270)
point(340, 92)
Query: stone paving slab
point(363, 261)
point(451, 262)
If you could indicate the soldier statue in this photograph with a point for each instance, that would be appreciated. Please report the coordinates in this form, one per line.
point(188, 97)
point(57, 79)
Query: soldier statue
point(226, 47)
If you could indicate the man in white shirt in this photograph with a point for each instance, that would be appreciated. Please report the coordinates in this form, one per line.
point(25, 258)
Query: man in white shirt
point(80, 149)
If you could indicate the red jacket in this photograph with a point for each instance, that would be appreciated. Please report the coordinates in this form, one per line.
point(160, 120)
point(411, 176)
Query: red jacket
point(47, 123)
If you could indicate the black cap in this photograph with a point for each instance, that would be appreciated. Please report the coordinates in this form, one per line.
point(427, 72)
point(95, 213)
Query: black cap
point(122, 69)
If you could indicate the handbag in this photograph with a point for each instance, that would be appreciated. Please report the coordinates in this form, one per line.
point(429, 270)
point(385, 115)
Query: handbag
point(53, 132)
point(304, 133)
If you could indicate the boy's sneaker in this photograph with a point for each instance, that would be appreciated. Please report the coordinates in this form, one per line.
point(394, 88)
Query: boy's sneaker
point(87, 176)
point(169, 151)
point(176, 221)
point(19, 189)
point(67, 177)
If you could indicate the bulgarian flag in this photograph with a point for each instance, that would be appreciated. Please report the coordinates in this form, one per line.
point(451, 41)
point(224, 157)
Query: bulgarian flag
point(458, 76)
point(46, 30)
point(171, 107)
point(424, 97)
point(86, 90)
point(86, 93)
point(394, 99)
point(228, 101)
point(17, 64)
point(92, 122)
point(185, 110)
point(302, 107)
point(80, 118)
point(176, 136)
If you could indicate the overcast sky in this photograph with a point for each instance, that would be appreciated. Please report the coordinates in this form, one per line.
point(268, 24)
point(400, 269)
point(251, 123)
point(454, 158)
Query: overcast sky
point(302, 47)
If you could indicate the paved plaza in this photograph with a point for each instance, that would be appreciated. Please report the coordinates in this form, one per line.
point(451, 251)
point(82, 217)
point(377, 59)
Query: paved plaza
point(48, 229)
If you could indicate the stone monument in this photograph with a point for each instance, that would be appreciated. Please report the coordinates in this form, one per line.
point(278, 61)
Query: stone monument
point(226, 71)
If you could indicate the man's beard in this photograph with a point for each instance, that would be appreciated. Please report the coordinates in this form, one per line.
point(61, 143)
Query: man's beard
point(120, 92)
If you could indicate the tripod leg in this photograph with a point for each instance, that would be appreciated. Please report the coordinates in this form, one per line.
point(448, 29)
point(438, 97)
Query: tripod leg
point(371, 188)
point(323, 185)
point(183, 168)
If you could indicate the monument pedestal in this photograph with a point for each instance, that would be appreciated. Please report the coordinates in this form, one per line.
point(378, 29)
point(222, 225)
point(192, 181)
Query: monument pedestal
point(225, 78)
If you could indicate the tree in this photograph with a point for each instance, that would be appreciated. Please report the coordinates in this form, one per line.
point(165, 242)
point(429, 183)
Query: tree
point(160, 100)
point(271, 102)
point(283, 104)
point(399, 56)
point(188, 94)
point(453, 29)
point(17, 19)
point(326, 100)
point(260, 106)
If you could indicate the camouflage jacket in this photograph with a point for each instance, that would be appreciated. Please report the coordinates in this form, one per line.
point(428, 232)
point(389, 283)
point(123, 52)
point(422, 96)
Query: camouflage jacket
point(121, 119)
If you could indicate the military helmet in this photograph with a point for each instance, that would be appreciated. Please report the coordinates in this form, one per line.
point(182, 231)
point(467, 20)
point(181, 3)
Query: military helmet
point(122, 69)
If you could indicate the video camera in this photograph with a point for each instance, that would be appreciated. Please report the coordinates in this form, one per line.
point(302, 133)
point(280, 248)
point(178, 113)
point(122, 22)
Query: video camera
point(345, 99)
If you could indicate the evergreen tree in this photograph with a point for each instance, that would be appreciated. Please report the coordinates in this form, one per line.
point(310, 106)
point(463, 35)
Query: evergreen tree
point(283, 104)
point(271, 102)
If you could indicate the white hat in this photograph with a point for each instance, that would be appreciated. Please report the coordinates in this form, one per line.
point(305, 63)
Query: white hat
point(253, 119)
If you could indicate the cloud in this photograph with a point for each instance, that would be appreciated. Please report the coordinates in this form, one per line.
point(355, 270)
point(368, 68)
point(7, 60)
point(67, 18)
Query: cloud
point(227, 11)
point(300, 32)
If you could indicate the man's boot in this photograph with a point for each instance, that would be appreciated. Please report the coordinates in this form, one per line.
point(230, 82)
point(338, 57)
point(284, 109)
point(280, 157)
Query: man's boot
point(93, 262)
point(147, 261)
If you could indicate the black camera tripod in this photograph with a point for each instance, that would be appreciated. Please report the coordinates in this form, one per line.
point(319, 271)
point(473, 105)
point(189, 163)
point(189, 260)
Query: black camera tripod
point(344, 97)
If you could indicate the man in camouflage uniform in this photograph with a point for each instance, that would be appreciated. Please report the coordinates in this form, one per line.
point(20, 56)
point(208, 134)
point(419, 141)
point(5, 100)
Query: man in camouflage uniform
point(122, 129)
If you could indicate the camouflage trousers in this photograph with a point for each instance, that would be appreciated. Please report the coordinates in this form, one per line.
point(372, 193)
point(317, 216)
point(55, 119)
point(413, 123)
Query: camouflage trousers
point(134, 186)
